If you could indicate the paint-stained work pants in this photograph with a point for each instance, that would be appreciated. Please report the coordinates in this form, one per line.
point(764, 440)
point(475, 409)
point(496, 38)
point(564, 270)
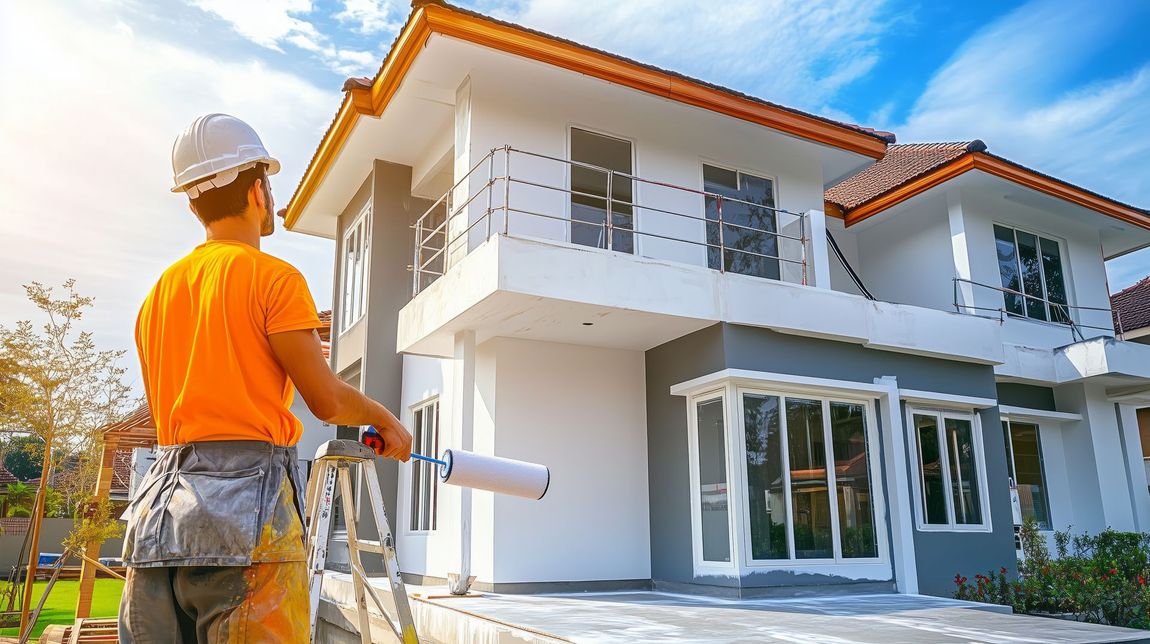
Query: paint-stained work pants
point(215, 549)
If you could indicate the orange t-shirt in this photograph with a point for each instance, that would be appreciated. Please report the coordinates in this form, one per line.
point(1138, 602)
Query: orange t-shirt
point(202, 336)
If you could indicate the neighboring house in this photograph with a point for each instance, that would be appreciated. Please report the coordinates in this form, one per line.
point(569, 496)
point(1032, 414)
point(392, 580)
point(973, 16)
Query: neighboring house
point(1132, 311)
point(550, 253)
point(6, 479)
point(1132, 319)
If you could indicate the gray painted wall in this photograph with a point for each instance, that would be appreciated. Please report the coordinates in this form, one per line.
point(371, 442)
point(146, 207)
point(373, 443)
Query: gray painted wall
point(1029, 396)
point(939, 555)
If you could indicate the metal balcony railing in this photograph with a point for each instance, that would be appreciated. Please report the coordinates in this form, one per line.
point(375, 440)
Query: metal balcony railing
point(1075, 318)
point(738, 235)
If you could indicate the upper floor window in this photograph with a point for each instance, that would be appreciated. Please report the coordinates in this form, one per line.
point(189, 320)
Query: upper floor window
point(1031, 266)
point(356, 243)
point(424, 492)
point(601, 183)
point(747, 241)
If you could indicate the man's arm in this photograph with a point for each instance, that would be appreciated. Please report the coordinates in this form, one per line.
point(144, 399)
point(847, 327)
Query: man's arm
point(331, 399)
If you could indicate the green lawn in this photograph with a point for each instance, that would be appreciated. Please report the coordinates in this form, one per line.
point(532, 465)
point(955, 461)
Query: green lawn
point(61, 605)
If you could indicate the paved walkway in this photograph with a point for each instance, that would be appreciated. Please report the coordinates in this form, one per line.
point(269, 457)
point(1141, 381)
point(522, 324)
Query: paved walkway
point(659, 618)
point(870, 619)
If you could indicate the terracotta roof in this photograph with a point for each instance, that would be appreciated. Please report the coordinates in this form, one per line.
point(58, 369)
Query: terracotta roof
point(1131, 306)
point(7, 477)
point(902, 163)
point(122, 471)
point(325, 330)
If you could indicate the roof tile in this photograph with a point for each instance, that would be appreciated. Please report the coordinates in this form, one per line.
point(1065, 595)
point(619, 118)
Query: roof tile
point(1131, 306)
point(903, 163)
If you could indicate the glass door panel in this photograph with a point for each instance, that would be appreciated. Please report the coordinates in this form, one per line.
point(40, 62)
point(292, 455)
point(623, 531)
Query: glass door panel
point(713, 494)
point(852, 481)
point(766, 477)
point(810, 498)
point(930, 465)
point(590, 187)
point(749, 230)
point(963, 471)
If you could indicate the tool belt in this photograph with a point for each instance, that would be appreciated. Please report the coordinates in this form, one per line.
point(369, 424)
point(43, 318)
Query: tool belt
point(207, 503)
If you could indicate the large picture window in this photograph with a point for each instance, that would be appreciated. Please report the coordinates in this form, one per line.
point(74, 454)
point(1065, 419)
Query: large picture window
point(424, 479)
point(749, 230)
point(1031, 266)
point(798, 507)
point(356, 243)
point(949, 462)
point(1024, 458)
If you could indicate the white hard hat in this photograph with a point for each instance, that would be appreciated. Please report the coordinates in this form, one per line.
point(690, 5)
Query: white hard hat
point(213, 151)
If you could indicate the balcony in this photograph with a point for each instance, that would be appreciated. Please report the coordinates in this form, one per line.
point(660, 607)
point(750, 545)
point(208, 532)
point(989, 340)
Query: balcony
point(513, 250)
point(529, 195)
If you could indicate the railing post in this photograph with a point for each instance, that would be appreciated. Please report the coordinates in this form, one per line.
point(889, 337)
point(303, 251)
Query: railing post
point(490, 189)
point(820, 256)
point(610, 210)
point(802, 245)
point(506, 189)
point(722, 246)
point(416, 269)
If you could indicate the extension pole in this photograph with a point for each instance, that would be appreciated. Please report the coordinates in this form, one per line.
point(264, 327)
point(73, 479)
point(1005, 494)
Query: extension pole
point(37, 518)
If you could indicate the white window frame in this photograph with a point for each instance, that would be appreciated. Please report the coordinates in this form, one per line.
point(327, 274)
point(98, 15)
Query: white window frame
point(1067, 279)
point(874, 472)
point(740, 170)
point(637, 251)
point(722, 568)
point(429, 470)
point(354, 274)
point(733, 383)
point(916, 467)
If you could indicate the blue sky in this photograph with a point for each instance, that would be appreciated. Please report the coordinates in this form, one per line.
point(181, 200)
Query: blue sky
point(1062, 86)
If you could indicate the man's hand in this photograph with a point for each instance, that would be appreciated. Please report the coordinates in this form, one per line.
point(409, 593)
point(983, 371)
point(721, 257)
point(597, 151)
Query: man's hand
point(331, 399)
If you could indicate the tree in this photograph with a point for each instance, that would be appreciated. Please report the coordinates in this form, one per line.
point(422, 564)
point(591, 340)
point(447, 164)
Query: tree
point(23, 455)
point(18, 495)
point(59, 387)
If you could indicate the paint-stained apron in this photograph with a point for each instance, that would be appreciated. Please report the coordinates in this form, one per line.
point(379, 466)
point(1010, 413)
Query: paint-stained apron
point(214, 547)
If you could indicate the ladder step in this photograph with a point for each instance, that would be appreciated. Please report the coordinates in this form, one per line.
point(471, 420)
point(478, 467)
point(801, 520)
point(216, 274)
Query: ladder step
point(368, 545)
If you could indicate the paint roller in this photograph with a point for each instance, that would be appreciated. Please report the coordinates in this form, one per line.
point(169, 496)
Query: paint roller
point(481, 472)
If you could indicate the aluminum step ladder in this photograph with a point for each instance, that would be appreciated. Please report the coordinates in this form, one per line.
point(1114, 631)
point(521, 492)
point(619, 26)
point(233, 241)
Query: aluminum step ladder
point(334, 461)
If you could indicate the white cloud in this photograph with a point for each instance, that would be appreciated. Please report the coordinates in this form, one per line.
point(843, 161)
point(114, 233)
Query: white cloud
point(371, 16)
point(798, 54)
point(1008, 85)
point(272, 23)
point(93, 111)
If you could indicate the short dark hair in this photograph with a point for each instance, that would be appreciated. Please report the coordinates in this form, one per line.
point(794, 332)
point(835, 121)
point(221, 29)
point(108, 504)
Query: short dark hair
point(230, 200)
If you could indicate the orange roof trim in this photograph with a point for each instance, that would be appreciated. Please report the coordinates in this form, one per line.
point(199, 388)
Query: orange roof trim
point(436, 17)
point(1004, 169)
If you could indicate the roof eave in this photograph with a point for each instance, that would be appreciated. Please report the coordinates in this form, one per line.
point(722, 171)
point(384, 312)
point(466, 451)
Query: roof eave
point(437, 18)
point(1003, 169)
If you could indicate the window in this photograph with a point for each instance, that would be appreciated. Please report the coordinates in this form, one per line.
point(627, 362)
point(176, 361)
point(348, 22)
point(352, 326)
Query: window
point(1024, 458)
point(949, 464)
point(356, 243)
point(713, 496)
point(590, 187)
point(797, 506)
point(749, 231)
point(1032, 266)
point(424, 478)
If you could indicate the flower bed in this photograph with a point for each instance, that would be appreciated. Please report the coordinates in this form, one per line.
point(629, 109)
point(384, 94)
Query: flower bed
point(1093, 578)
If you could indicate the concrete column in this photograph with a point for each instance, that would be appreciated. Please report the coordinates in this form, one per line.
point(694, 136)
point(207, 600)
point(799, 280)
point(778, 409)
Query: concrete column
point(900, 511)
point(463, 431)
point(1135, 468)
point(1096, 459)
point(818, 261)
point(960, 249)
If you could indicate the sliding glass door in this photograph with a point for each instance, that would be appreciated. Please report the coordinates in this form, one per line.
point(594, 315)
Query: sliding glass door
point(601, 187)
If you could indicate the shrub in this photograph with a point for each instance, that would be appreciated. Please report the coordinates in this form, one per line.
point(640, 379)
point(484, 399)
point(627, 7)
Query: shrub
point(1097, 578)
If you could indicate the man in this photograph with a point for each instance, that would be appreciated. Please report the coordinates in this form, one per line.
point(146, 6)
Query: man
point(214, 544)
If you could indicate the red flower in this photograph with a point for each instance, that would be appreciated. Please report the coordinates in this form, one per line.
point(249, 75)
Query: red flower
point(1002, 570)
point(1113, 571)
point(1141, 580)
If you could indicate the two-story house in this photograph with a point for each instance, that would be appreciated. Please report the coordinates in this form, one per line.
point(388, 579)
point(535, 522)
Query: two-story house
point(758, 349)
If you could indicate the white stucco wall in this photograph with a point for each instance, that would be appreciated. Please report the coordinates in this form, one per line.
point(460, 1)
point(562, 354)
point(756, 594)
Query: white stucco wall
point(582, 412)
point(906, 257)
point(525, 106)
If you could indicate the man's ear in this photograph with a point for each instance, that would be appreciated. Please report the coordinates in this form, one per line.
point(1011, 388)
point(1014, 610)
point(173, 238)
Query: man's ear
point(256, 195)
